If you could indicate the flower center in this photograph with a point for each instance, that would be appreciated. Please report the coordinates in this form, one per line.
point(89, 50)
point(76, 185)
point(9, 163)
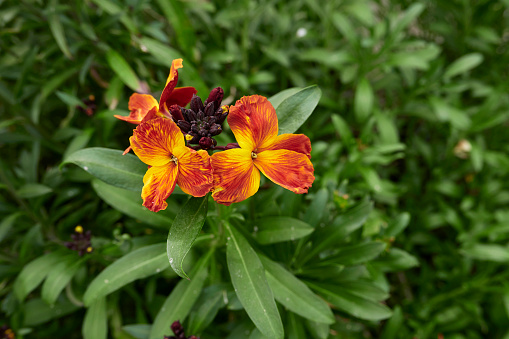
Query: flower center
point(174, 159)
point(254, 155)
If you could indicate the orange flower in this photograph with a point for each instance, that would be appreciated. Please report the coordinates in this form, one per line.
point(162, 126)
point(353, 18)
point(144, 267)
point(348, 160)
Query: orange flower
point(145, 107)
point(284, 159)
point(160, 144)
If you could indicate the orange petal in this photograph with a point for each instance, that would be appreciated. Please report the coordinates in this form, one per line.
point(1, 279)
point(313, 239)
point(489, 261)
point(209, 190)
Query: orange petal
point(171, 82)
point(253, 120)
point(292, 170)
point(158, 183)
point(235, 176)
point(292, 142)
point(154, 141)
point(139, 105)
point(180, 96)
point(195, 171)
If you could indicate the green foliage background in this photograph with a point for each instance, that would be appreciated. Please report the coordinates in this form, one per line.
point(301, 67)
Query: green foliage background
point(409, 141)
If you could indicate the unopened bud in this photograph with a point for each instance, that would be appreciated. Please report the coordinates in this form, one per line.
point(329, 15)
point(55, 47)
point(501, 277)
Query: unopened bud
point(184, 126)
point(206, 142)
point(215, 129)
point(209, 109)
point(176, 112)
point(215, 97)
point(196, 103)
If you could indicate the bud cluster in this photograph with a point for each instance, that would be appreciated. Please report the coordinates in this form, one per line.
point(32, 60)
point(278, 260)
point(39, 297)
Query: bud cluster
point(178, 330)
point(80, 241)
point(202, 120)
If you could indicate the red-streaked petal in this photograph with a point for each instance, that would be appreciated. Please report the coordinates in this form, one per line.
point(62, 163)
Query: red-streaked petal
point(180, 96)
point(153, 141)
point(292, 170)
point(253, 120)
point(171, 82)
point(235, 176)
point(195, 171)
point(158, 183)
point(293, 142)
point(139, 105)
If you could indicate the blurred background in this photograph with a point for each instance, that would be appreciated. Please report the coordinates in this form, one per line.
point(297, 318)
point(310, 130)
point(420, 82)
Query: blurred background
point(414, 113)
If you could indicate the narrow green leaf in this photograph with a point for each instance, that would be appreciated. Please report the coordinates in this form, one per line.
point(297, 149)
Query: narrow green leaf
point(138, 264)
point(109, 165)
point(356, 254)
point(139, 331)
point(181, 300)
point(7, 224)
point(113, 9)
point(38, 312)
point(352, 304)
point(463, 64)
point(394, 324)
point(120, 66)
point(34, 273)
point(364, 100)
point(294, 294)
point(489, 252)
point(364, 289)
point(271, 230)
point(56, 28)
point(398, 224)
point(59, 277)
point(317, 330)
point(131, 204)
point(183, 232)
point(343, 225)
point(250, 283)
point(33, 190)
point(95, 324)
point(295, 109)
point(70, 99)
point(395, 260)
point(410, 15)
point(209, 305)
point(177, 17)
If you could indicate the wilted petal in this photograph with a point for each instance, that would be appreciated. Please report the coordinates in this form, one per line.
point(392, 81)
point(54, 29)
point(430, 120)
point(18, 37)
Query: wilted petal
point(139, 105)
point(293, 142)
point(292, 170)
point(154, 140)
point(235, 176)
point(158, 183)
point(253, 120)
point(195, 171)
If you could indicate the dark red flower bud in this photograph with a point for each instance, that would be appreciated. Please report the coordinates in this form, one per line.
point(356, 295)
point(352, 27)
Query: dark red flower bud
point(215, 96)
point(209, 109)
point(184, 126)
point(176, 113)
point(196, 104)
point(206, 142)
point(215, 129)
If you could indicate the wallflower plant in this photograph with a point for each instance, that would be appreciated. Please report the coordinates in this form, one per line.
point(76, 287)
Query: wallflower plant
point(177, 147)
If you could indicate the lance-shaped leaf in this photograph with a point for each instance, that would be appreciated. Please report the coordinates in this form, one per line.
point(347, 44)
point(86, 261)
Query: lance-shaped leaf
point(293, 111)
point(137, 264)
point(250, 283)
point(183, 232)
point(123, 70)
point(295, 295)
point(110, 166)
point(350, 303)
point(277, 229)
point(130, 203)
point(181, 300)
point(95, 325)
point(34, 273)
point(59, 277)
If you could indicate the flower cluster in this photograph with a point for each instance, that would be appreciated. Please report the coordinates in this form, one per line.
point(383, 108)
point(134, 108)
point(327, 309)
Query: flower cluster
point(80, 241)
point(178, 330)
point(167, 131)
